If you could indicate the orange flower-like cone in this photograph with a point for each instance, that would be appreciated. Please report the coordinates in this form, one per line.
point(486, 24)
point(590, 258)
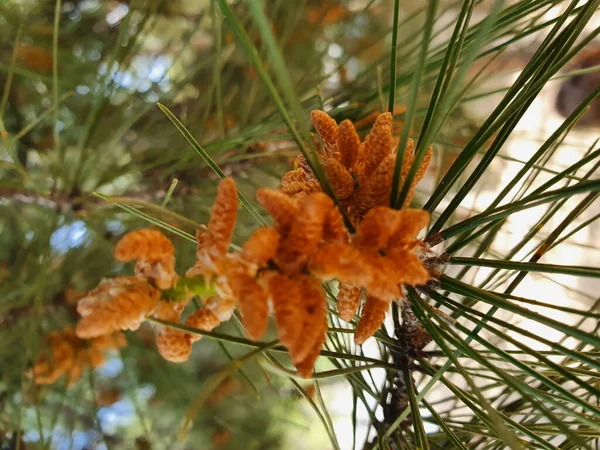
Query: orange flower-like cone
point(378, 144)
point(376, 228)
point(378, 188)
point(411, 222)
point(361, 174)
point(305, 234)
point(348, 301)
point(288, 306)
point(145, 243)
point(282, 207)
point(70, 356)
point(301, 188)
point(348, 144)
point(371, 319)
point(261, 247)
point(120, 303)
point(314, 318)
point(173, 345)
point(327, 129)
point(223, 216)
point(419, 176)
point(335, 229)
point(340, 178)
point(253, 304)
point(349, 265)
point(155, 254)
point(213, 244)
point(202, 319)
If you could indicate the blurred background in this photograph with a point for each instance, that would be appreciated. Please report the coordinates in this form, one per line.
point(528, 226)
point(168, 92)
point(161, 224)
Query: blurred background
point(83, 144)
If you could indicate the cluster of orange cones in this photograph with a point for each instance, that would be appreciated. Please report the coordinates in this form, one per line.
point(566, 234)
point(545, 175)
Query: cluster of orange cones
point(281, 269)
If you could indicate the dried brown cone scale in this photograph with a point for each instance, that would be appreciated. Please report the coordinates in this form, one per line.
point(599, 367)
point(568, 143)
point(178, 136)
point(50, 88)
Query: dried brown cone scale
point(371, 318)
point(146, 243)
point(348, 301)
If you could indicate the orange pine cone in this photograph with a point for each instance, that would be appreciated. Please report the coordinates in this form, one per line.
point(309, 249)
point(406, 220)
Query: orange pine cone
point(48, 368)
point(208, 260)
point(287, 304)
point(173, 345)
point(302, 163)
point(371, 319)
point(202, 319)
point(305, 234)
point(305, 367)
point(411, 222)
point(109, 342)
point(120, 303)
point(378, 144)
point(70, 356)
point(293, 176)
point(314, 318)
point(348, 301)
point(253, 304)
point(348, 144)
point(160, 271)
point(408, 267)
point(419, 175)
point(146, 243)
point(349, 265)
point(375, 230)
point(327, 129)
point(261, 247)
point(74, 374)
point(407, 160)
point(280, 206)
point(377, 189)
point(340, 178)
point(301, 188)
point(335, 229)
point(90, 357)
point(223, 216)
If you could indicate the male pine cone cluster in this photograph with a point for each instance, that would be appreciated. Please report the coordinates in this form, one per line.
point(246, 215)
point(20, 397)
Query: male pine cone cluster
point(282, 268)
point(69, 355)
